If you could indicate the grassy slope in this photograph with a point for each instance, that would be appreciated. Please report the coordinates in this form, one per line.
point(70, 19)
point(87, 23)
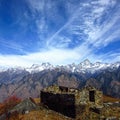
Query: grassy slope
point(42, 114)
point(46, 114)
point(110, 99)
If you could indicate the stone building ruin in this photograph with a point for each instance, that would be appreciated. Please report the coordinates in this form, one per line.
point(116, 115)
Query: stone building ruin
point(71, 101)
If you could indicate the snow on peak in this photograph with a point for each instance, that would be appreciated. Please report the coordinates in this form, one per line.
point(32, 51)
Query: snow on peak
point(37, 67)
point(85, 66)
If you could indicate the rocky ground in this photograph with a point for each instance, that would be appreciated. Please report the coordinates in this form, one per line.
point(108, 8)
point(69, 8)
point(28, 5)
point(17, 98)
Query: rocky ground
point(110, 110)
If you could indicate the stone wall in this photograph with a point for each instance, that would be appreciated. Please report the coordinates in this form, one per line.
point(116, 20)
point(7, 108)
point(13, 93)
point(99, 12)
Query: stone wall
point(90, 96)
point(62, 103)
point(69, 101)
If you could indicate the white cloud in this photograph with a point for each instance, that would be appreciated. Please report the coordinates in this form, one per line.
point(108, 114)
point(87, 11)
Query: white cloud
point(60, 42)
point(80, 22)
point(54, 56)
point(36, 5)
point(41, 25)
point(58, 57)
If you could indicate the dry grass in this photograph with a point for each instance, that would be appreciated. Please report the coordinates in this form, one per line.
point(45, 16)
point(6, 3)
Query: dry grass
point(2, 109)
point(37, 100)
point(40, 115)
point(110, 99)
point(46, 114)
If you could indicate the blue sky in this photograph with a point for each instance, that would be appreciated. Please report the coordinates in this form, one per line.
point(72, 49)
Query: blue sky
point(59, 31)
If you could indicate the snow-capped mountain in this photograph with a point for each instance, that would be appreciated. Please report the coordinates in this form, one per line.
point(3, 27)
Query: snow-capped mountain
point(37, 68)
point(85, 66)
point(26, 82)
point(3, 68)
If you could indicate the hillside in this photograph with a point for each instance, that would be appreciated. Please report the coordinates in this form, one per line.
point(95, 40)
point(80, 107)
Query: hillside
point(43, 113)
point(30, 81)
point(31, 84)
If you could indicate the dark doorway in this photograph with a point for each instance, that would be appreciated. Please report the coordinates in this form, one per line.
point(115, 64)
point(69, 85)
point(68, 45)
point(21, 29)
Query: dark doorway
point(92, 96)
point(63, 89)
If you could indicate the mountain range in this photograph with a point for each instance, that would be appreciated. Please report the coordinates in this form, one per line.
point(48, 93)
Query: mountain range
point(28, 81)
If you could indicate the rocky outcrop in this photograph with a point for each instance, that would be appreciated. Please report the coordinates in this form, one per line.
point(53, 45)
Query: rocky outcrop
point(26, 105)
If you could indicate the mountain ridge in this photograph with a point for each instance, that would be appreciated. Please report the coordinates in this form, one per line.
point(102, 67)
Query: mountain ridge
point(23, 83)
point(85, 66)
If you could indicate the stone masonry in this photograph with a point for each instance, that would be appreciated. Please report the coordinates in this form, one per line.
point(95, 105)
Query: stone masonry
point(71, 101)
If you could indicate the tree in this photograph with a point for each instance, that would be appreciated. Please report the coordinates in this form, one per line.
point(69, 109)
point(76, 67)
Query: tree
point(10, 102)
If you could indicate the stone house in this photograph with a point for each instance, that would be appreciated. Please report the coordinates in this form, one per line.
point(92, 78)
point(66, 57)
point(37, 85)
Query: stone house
point(70, 101)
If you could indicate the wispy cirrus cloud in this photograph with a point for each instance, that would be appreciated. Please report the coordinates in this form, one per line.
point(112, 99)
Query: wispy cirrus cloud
point(51, 11)
point(111, 57)
point(88, 23)
point(70, 31)
point(92, 23)
point(12, 45)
